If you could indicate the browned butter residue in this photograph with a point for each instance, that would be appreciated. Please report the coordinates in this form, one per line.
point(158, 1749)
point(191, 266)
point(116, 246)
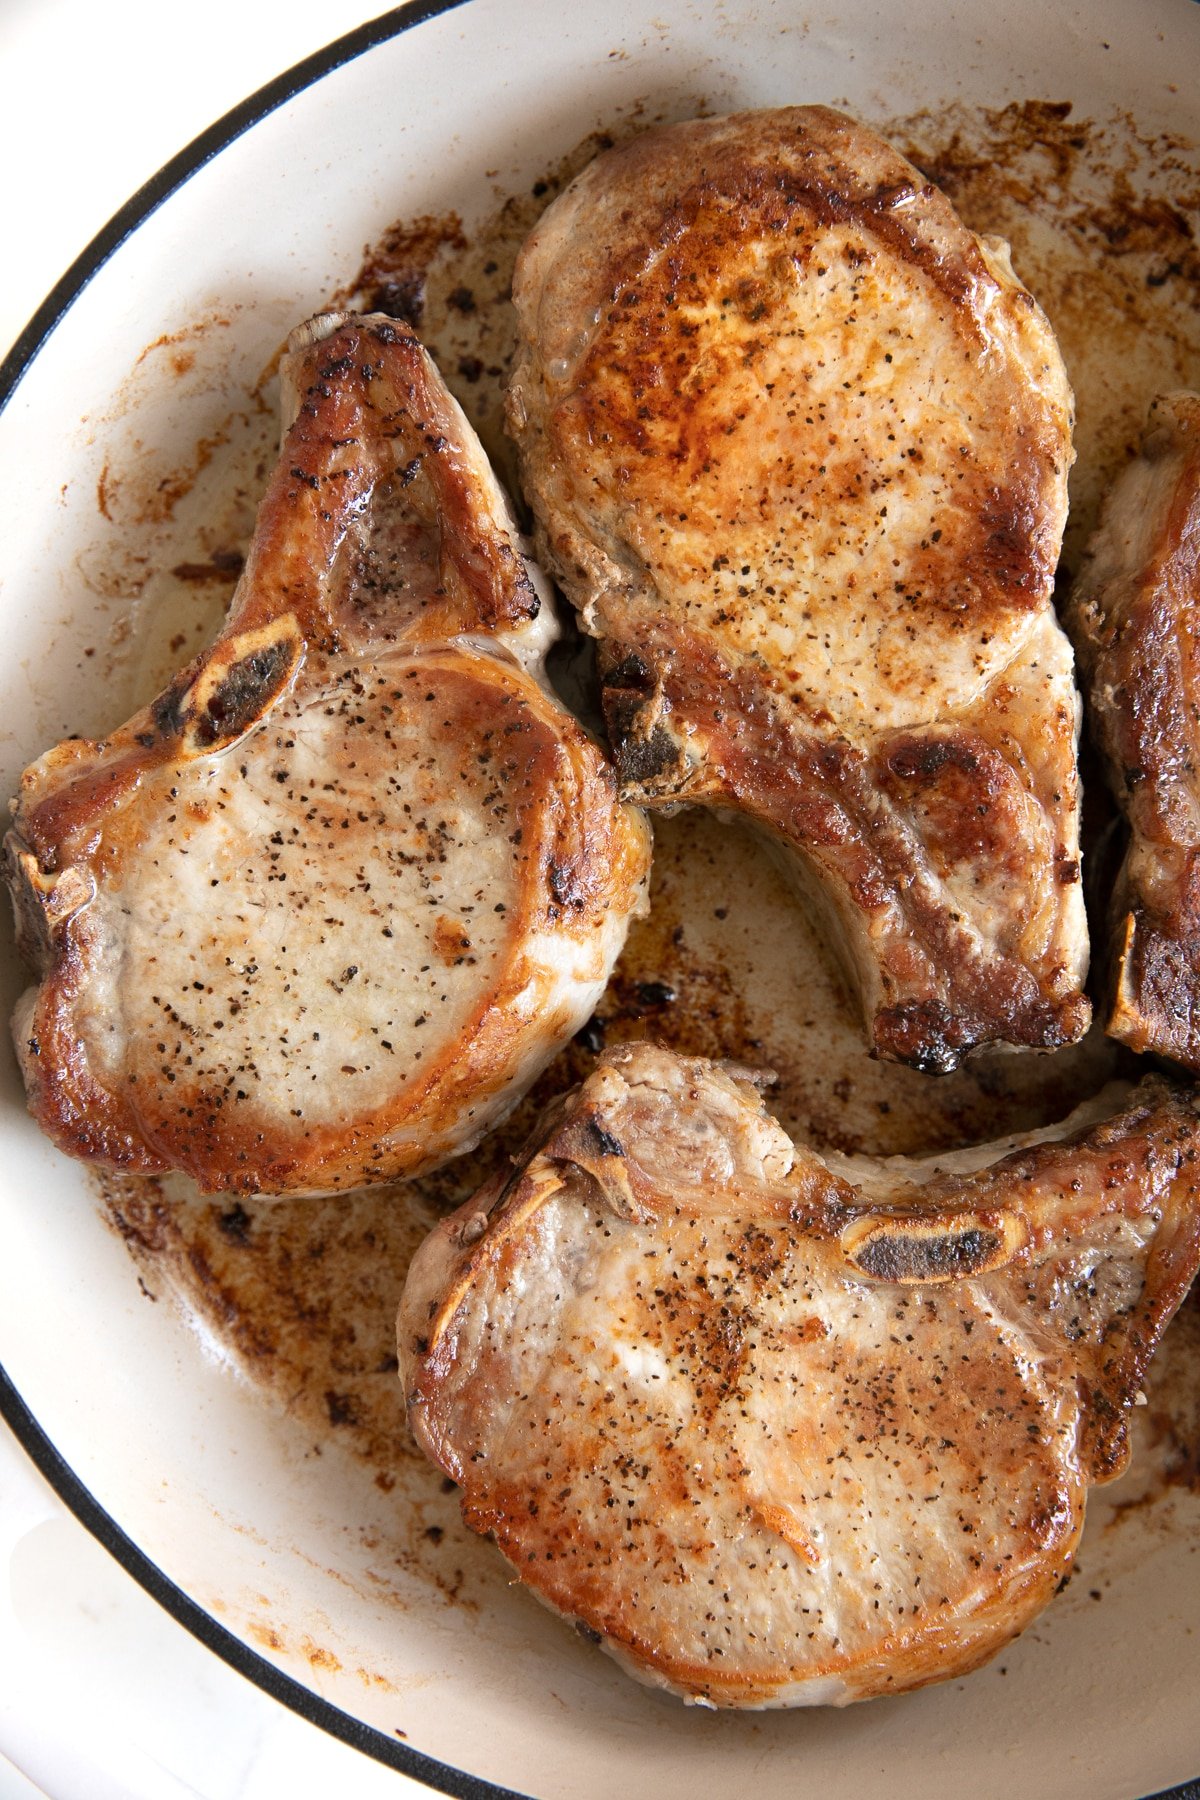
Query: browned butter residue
point(303, 1295)
point(151, 503)
point(269, 1637)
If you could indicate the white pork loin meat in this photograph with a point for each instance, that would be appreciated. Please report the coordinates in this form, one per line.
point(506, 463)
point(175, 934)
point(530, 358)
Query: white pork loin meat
point(778, 1430)
point(797, 442)
point(322, 910)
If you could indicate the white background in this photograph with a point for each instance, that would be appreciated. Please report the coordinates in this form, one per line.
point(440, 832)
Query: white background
point(102, 1695)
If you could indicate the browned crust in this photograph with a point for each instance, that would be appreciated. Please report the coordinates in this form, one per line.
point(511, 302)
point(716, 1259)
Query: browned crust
point(1142, 1160)
point(905, 1661)
point(573, 861)
point(1134, 614)
point(370, 405)
point(1154, 979)
point(1033, 1205)
point(686, 724)
point(636, 431)
point(760, 175)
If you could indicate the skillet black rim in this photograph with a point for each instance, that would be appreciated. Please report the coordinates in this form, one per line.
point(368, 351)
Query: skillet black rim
point(62, 1478)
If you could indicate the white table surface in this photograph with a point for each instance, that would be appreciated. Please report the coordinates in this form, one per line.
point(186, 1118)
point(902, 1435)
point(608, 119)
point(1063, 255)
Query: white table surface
point(102, 1695)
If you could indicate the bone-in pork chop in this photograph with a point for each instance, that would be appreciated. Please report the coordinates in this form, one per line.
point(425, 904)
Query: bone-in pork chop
point(797, 442)
point(319, 912)
point(779, 1432)
point(1134, 613)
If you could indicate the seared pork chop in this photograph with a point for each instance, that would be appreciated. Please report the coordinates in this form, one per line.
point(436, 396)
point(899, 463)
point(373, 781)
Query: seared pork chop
point(797, 443)
point(783, 1432)
point(1134, 613)
point(325, 907)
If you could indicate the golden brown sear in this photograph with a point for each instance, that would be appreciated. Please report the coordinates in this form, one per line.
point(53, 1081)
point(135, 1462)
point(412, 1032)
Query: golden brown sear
point(797, 442)
point(782, 1431)
point(321, 911)
point(1134, 613)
